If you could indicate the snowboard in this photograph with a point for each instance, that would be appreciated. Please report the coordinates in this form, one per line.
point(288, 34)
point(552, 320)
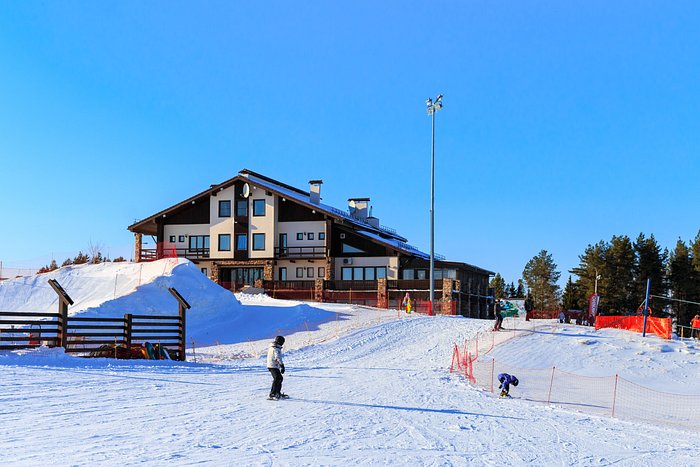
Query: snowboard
point(282, 396)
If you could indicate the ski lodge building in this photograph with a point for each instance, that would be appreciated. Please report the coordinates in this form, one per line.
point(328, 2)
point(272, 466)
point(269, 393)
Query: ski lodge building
point(253, 230)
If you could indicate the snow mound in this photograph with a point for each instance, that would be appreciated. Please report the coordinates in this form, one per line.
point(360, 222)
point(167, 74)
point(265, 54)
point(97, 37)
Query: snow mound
point(113, 289)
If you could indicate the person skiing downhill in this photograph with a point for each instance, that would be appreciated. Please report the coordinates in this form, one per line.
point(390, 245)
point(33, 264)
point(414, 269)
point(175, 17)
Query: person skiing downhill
point(499, 315)
point(529, 306)
point(276, 367)
point(506, 380)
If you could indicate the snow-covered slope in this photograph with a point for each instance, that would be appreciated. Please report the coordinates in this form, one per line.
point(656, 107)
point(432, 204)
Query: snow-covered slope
point(380, 395)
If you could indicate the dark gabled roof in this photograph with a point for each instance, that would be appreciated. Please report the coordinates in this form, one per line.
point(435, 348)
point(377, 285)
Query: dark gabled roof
point(383, 234)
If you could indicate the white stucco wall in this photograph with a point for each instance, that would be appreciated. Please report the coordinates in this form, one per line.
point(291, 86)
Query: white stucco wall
point(293, 228)
point(300, 263)
point(262, 224)
point(221, 225)
point(186, 230)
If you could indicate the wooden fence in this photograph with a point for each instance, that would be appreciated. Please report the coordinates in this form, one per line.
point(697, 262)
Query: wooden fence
point(89, 336)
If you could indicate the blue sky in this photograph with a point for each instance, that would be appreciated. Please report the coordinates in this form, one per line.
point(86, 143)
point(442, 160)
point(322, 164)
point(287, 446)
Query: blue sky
point(564, 122)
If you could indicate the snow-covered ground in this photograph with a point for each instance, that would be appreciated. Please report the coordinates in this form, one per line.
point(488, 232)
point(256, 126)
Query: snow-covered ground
point(367, 387)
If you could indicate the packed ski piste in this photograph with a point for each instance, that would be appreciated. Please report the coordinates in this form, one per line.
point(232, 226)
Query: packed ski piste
point(366, 386)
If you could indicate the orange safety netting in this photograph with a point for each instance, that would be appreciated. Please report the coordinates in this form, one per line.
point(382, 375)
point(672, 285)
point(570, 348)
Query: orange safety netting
point(659, 326)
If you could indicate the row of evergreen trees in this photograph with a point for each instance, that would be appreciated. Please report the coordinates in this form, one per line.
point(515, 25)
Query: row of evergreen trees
point(622, 267)
point(80, 258)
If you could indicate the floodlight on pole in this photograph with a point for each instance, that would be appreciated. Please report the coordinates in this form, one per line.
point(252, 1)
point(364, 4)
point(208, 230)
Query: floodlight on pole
point(432, 107)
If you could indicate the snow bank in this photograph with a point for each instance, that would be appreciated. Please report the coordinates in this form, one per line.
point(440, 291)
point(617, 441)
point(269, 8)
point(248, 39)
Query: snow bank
point(113, 289)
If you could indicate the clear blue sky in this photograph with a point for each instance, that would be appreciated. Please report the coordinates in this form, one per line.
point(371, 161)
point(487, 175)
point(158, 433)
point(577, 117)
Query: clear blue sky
point(564, 122)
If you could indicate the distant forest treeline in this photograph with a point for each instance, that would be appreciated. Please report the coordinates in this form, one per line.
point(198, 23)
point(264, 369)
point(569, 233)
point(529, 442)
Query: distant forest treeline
point(622, 267)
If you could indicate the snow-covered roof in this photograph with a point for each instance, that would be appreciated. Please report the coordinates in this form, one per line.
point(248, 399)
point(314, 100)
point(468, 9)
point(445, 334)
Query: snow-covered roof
point(384, 233)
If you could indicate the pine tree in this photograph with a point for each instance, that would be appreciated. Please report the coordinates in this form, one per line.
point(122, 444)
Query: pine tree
point(511, 291)
point(541, 277)
point(499, 286)
point(119, 259)
point(620, 263)
point(682, 282)
point(67, 262)
point(53, 266)
point(592, 263)
point(570, 299)
point(520, 292)
point(651, 264)
point(82, 258)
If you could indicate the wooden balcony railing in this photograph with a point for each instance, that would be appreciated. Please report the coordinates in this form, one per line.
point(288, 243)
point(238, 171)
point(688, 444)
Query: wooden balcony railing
point(152, 254)
point(300, 252)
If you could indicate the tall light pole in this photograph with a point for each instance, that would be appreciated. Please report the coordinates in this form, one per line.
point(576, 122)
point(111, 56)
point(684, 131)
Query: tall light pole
point(597, 276)
point(432, 107)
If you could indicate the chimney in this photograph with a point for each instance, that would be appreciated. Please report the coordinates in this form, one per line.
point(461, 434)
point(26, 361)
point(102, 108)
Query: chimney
point(358, 208)
point(371, 220)
point(315, 191)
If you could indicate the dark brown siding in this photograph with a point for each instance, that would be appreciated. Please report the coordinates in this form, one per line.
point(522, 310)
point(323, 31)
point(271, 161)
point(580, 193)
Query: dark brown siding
point(370, 248)
point(289, 211)
point(197, 213)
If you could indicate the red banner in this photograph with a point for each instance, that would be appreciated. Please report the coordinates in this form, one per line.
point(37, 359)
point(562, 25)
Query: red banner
point(659, 326)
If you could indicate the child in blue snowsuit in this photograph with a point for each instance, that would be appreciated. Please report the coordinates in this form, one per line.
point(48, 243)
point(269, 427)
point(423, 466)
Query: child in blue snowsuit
point(506, 380)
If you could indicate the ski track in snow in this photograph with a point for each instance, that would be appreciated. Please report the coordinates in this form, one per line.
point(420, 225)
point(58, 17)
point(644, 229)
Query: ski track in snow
point(376, 396)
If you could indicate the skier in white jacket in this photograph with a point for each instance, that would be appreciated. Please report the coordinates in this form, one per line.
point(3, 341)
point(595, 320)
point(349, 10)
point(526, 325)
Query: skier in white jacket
point(276, 367)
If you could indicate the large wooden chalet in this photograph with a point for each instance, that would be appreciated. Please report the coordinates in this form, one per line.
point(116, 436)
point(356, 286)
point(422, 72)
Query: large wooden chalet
point(253, 230)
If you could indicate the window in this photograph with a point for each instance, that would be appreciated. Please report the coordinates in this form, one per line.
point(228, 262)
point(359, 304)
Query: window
point(172, 239)
point(345, 248)
point(300, 236)
point(241, 242)
point(224, 242)
point(357, 274)
point(300, 273)
point(199, 242)
point(321, 273)
point(204, 271)
point(362, 274)
point(224, 208)
point(407, 274)
point(310, 236)
point(258, 207)
point(322, 235)
point(438, 274)
point(422, 274)
point(242, 208)
point(181, 239)
point(258, 241)
point(310, 272)
point(283, 274)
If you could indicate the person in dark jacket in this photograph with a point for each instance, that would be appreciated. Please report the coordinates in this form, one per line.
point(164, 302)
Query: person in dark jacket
point(506, 380)
point(276, 367)
point(529, 306)
point(498, 314)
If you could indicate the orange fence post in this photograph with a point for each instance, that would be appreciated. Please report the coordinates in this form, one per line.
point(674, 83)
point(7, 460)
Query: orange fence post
point(614, 396)
point(551, 382)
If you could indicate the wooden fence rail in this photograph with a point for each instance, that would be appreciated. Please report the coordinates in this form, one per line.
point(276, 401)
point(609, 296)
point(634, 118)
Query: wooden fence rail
point(90, 335)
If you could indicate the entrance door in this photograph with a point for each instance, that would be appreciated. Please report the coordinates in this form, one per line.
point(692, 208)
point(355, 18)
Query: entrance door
point(283, 245)
point(283, 274)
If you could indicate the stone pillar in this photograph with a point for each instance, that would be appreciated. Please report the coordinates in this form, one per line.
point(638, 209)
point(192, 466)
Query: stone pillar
point(214, 272)
point(446, 294)
point(382, 294)
point(330, 269)
point(318, 290)
point(138, 243)
point(269, 270)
